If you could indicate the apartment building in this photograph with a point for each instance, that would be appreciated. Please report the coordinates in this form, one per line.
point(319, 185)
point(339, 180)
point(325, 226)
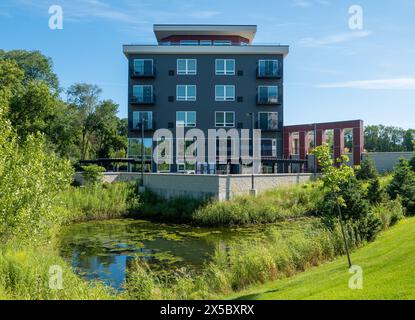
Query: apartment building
point(205, 77)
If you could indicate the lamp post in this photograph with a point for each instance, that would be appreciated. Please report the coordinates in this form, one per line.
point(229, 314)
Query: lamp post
point(142, 152)
point(252, 115)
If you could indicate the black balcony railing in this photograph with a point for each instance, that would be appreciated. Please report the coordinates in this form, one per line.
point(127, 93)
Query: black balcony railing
point(148, 125)
point(150, 99)
point(268, 73)
point(147, 72)
point(267, 99)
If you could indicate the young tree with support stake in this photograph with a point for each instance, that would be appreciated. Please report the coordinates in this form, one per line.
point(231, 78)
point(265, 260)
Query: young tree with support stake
point(335, 173)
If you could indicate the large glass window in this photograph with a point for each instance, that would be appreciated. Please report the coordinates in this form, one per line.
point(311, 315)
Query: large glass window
point(268, 120)
point(268, 94)
point(268, 68)
point(186, 119)
point(225, 66)
point(143, 67)
point(268, 147)
point(134, 148)
point(189, 42)
point(222, 42)
point(224, 119)
point(143, 93)
point(143, 117)
point(225, 93)
point(186, 66)
point(186, 93)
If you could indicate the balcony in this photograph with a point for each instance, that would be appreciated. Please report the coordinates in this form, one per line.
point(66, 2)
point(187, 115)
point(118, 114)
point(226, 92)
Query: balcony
point(148, 126)
point(149, 100)
point(148, 72)
point(265, 127)
point(268, 73)
point(267, 100)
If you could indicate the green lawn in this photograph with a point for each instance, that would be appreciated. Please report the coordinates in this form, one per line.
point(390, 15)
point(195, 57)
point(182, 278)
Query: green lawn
point(388, 273)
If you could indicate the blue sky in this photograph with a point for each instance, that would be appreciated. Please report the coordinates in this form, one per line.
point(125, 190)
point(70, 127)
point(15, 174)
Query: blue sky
point(332, 72)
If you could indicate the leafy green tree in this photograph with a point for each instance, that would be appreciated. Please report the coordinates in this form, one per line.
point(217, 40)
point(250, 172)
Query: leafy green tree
point(412, 163)
point(409, 139)
point(35, 65)
point(344, 196)
point(403, 185)
point(11, 77)
point(29, 180)
point(85, 98)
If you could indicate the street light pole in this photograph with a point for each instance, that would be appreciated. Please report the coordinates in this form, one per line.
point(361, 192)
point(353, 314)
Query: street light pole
point(252, 114)
point(142, 151)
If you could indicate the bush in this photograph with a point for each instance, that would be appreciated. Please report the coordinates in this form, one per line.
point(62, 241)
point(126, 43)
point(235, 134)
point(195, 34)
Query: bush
point(29, 180)
point(375, 194)
point(403, 185)
point(93, 174)
point(367, 170)
point(412, 163)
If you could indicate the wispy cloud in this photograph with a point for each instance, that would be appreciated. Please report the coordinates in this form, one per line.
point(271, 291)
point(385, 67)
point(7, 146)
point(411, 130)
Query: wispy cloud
point(309, 3)
point(379, 84)
point(333, 39)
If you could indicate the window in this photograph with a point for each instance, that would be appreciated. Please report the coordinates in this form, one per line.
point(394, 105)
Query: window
point(268, 68)
point(143, 67)
point(186, 66)
point(225, 93)
point(140, 117)
point(186, 93)
point(189, 42)
point(268, 94)
point(225, 66)
point(186, 119)
point(268, 120)
point(268, 147)
point(143, 94)
point(134, 147)
point(205, 42)
point(222, 42)
point(225, 119)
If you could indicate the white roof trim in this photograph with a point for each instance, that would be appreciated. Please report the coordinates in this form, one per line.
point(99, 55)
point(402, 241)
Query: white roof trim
point(165, 30)
point(248, 49)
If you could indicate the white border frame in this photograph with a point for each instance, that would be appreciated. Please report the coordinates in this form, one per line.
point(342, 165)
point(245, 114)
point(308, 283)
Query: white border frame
point(186, 96)
point(187, 67)
point(225, 100)
point(185, 125)
point(224, 64)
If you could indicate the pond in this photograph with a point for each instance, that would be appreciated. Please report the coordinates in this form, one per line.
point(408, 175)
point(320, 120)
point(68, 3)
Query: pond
point(103, 250)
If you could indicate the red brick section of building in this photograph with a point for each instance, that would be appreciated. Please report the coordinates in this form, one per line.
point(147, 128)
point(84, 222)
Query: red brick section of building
point(320, 128)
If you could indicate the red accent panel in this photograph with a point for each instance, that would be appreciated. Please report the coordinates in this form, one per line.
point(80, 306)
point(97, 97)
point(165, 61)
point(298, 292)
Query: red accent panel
point(288, 144)
point(338, 142)
point(234, 39)
point(320, 137)
point(303, 144)
point(357, 145)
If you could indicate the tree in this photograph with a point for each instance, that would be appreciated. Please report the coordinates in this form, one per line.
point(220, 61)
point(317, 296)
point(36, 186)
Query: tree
point(409, 139)
point(35, 65)
point(10, 79)
point(403, 185)
point(367, 170)
point(379, 138)
point(85, 98)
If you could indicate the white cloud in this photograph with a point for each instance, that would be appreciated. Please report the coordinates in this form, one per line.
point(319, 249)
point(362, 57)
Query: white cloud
point(333, 39)
point(380, 84)
point(309, 3)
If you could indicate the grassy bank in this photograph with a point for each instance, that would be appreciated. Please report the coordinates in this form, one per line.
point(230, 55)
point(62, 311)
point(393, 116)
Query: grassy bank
point(108, 201)
point(388, 273)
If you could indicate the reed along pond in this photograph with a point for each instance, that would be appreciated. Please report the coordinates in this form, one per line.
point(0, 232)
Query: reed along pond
point(103, 250)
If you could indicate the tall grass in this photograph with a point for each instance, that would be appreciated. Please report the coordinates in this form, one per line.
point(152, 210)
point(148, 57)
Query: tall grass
point(271, 206)
point(96, 202)
point(247, 263)
point(25, 274)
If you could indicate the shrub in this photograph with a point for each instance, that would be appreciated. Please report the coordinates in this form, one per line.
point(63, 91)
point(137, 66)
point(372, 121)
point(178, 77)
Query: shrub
point(412, 163)
point(375, 194)
point(403, 185)
point(367, 170)
point(29, 180)
point(93, 174)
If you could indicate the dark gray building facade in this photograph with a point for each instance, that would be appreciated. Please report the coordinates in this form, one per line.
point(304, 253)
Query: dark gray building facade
point(205, 77)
